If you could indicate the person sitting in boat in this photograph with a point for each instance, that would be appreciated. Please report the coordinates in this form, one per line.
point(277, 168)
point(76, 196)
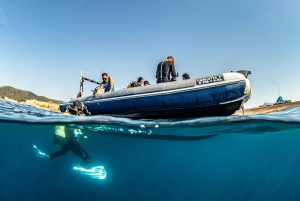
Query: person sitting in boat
point(139, 83)
point(107, 84)
point(165, 69)
point(185, 76)
point(146, 83)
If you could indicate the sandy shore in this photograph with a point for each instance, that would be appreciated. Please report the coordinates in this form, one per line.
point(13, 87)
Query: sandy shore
point(43, 105)
point(39, 104)
point(267, 109)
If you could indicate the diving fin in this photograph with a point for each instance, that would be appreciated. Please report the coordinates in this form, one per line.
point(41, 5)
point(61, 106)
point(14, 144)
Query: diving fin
point(97, 172)
point(40, 154)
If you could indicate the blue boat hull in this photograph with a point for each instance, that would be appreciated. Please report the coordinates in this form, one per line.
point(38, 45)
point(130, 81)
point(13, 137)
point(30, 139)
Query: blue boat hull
point(220, 99)
point(215, 110)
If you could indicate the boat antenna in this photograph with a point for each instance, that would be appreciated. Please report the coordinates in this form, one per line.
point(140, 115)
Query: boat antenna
point(81, 82)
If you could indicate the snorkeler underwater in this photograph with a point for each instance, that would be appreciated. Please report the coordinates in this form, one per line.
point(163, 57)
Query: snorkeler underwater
point(67, 138)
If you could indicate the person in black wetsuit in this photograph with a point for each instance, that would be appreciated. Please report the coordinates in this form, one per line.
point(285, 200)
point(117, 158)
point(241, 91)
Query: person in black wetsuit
point(165, 70)
point(67, 138)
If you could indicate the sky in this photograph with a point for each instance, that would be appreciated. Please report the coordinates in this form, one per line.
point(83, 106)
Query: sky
point(45, 44)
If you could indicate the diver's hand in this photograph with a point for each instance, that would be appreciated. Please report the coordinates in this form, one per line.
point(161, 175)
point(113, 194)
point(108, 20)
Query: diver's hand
point(95, 95)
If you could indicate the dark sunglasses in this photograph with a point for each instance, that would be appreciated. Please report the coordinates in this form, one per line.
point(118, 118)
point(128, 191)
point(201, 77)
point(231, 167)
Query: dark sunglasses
point(104, 78)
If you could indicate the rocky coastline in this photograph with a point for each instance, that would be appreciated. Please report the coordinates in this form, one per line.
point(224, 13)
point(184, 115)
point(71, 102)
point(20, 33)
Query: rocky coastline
point(35, 103)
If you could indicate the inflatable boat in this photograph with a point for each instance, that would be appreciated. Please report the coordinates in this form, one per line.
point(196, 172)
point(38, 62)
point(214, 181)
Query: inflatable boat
point(216, 95)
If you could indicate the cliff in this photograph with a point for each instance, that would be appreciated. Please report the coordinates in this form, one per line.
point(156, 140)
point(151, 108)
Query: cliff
point(19, 94)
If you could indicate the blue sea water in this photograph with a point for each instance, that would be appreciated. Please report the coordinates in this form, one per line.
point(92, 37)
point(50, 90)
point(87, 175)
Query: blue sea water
point(247, 157)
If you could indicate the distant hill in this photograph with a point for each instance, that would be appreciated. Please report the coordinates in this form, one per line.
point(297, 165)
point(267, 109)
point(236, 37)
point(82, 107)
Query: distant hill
point(18, 94)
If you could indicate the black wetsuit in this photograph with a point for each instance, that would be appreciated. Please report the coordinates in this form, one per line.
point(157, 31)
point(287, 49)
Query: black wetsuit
point(164, 70)
point(70, 142)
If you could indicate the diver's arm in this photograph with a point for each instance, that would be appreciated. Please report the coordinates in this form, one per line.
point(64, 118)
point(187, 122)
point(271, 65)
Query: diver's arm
point(99, 90)
point(55, 140)
point(158, 70)
point(111, 81)
point(174, 74)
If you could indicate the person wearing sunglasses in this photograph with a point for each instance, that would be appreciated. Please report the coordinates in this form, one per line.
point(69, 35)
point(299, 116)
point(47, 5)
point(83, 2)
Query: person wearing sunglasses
point(107, 84)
